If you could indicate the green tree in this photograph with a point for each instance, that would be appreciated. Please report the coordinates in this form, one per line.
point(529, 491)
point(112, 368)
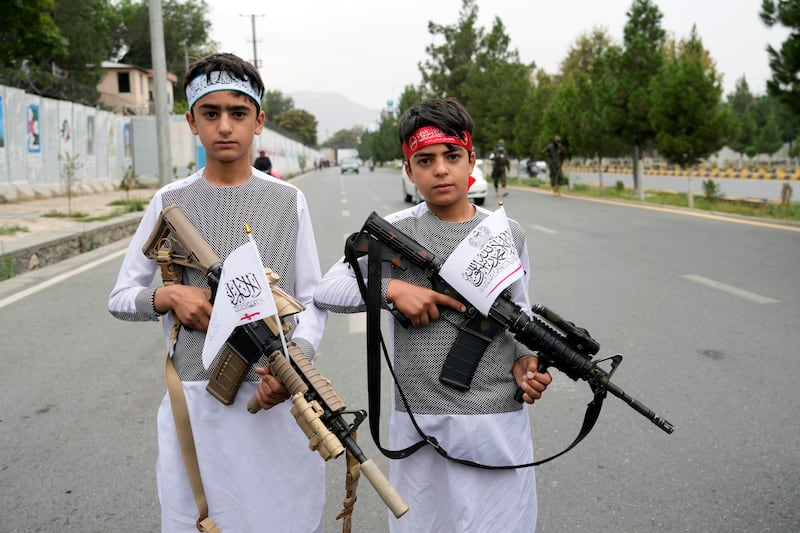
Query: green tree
point(32, 45)
point(784, 63)
point(445, 72)
point(494, 97)
point(532, 135)
point(275, 103)
point(187, 37)
point(740, 103)
point(87, 25)
point(639, 63)
point(30, 35)
point(481, 71)
point(579, 108)
point(300, 123)
point(346, 138)
point(768, 139)
point(382, 145)
point(686, 109)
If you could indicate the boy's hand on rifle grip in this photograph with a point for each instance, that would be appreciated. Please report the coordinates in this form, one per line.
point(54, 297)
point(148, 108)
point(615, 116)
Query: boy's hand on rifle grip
point(419, 304)
point(530, 380)
point(270, 391)
point(191, 304)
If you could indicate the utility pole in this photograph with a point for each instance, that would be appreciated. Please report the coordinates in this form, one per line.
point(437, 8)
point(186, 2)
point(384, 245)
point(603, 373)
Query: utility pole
point(160, 92)
point(253, 24)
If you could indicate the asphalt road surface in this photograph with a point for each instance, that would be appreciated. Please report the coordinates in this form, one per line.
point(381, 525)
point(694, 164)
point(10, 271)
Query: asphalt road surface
point(704, 310)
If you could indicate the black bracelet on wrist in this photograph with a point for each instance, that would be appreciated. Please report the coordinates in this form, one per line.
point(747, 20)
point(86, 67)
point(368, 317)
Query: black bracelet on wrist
point(153, 303)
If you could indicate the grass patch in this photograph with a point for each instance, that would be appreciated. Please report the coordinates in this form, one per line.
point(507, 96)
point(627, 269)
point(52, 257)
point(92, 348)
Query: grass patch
point(131, 205)
point(125, 206)
point(60, 214)
point(6, 267)
point(13, 230)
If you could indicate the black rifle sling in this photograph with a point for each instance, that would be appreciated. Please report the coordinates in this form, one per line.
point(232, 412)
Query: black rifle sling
point(371, 293)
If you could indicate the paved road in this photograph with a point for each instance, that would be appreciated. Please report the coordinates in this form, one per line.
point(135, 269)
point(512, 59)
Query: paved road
point(704, 310)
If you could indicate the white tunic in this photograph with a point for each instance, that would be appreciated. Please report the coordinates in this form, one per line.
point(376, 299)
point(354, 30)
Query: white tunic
point(483, 425)
point(258, 473)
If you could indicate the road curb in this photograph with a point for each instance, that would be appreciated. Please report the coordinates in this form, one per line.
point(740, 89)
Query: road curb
point(55, 247)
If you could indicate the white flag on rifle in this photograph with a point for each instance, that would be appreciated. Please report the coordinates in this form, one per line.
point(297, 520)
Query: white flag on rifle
point(243, 296)
point(484, 263)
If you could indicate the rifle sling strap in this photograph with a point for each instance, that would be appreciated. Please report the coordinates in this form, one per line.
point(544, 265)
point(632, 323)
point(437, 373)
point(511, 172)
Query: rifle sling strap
point(372, 298)
point(180, 411)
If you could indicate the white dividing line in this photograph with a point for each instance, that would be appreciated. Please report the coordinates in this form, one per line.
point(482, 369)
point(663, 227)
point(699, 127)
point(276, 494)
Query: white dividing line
point(757, 298)
point(345, 213)
point(59, 278)
point(543, 229)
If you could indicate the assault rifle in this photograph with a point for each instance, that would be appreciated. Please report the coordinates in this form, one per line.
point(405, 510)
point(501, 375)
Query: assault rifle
point(317, 408)
point(569, 350)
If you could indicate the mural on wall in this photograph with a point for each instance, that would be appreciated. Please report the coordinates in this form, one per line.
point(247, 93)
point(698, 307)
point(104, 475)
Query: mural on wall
point(126, 136)
point(90, 135)
point(34, 142)
point(2, 126)
point(66, 130)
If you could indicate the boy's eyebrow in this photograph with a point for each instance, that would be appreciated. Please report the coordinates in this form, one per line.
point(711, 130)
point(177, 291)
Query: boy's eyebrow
point(450, 149)
point(216, 107)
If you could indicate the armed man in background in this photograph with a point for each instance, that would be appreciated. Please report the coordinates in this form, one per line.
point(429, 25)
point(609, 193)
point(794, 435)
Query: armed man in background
point(554, 154)
point(500, 167)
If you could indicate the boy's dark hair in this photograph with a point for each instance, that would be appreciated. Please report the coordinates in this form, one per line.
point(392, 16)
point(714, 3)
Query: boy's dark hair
point(447, 114)
point(230, 63)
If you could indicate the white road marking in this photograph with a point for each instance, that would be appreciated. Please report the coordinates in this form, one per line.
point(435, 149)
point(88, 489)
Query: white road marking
point(345, 213)
point(731, 289)
point(59, 278)
point(543, 229)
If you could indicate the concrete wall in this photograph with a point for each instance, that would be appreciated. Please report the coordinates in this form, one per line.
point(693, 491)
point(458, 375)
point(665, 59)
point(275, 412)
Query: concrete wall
point(37, 134)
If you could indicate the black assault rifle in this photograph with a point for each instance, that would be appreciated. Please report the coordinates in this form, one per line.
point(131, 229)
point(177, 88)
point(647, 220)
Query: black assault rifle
point(569, 350)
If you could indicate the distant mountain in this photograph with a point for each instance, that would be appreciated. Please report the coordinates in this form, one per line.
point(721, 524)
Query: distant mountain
point(334, 112)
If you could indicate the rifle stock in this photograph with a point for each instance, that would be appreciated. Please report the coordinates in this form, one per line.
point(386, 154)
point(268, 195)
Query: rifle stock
point(570, 353)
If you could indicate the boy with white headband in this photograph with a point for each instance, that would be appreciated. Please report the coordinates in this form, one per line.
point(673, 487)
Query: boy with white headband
point(483, 424)
point(257, 471)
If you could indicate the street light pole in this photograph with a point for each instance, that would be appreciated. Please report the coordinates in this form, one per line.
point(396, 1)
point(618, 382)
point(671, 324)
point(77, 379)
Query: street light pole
point(160, 91)
point(253, 25)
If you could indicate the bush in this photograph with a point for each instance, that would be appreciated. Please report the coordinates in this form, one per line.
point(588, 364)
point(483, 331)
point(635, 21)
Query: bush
point(711, 190)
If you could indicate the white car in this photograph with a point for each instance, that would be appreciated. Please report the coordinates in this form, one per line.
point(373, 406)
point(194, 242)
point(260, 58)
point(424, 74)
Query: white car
point(476, 194)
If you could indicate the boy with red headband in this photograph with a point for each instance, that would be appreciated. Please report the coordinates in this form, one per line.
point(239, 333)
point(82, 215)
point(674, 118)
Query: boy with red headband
point(483, 424)
point(257, 472)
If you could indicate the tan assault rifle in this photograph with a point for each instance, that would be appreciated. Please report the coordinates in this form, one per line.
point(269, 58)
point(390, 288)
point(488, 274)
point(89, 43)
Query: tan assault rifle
point(317, 409)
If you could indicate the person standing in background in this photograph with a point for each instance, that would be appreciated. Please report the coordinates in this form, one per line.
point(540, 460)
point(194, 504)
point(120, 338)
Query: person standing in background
point(500, 166)
point(554, 153)
point(263, 162)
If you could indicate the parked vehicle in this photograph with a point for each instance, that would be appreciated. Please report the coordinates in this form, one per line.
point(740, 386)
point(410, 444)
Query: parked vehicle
point(476, 194)
point(350, 165)
point(534, 168)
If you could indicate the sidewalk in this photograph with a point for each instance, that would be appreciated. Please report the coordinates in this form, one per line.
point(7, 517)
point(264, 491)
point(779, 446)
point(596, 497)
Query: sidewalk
point(49, 240)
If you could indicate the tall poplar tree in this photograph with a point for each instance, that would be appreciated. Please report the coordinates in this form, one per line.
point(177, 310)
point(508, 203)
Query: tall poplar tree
point(639, 62)
point(686, 109)
point(784, 63)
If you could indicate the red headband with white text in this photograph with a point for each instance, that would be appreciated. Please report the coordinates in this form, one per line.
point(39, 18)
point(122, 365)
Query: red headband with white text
point(428, 135)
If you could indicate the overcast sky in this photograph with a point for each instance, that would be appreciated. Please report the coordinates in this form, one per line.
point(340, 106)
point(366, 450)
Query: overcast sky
point(368, 50)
